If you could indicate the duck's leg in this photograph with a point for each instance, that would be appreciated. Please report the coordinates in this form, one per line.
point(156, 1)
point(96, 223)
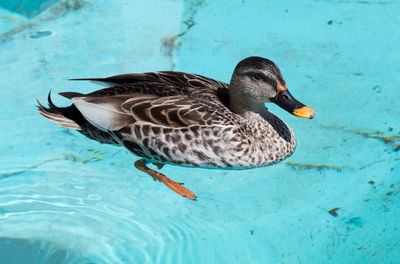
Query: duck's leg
point(159, 165)
point(157, 176)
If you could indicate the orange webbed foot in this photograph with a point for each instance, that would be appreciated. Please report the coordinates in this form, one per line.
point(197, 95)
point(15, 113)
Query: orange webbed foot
point(178, 188)
point(157, 176)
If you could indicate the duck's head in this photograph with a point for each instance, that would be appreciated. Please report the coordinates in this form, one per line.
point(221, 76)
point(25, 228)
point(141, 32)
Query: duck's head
point(256, 81)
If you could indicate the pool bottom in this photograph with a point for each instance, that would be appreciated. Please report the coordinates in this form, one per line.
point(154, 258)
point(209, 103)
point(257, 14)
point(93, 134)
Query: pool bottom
point(16, 250)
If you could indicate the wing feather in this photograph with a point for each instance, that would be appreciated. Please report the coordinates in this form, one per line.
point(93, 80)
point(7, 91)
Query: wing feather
point(174, 111)
point(163, 83)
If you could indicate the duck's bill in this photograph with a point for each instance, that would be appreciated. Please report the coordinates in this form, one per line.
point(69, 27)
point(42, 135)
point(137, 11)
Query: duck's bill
point(287, 102)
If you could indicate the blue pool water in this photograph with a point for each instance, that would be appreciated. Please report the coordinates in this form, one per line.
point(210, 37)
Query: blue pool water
point(67, 199)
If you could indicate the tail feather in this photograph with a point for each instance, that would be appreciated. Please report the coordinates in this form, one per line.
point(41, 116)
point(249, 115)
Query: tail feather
point(56, 114)
point(50, 102)
point(71, 95)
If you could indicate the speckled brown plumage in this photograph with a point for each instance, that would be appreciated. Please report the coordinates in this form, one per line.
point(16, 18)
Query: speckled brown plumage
point(181, 118)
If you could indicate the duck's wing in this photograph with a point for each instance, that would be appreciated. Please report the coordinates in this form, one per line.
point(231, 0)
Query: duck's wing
point(163, 83)
point(114, 112)
point(177, 129)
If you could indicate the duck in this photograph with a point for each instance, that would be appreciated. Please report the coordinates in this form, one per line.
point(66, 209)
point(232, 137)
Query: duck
point(179, 118)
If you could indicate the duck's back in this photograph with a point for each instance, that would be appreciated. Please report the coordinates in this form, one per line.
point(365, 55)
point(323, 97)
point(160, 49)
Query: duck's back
point(161, 84)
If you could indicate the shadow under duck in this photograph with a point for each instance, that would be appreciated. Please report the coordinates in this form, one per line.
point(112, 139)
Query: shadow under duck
point(180, 118)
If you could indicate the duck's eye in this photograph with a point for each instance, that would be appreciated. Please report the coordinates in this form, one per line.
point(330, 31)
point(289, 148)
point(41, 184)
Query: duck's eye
point(257, 76)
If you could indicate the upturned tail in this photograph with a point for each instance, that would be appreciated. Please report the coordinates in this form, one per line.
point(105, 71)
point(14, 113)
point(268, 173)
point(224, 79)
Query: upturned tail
point(68, 117)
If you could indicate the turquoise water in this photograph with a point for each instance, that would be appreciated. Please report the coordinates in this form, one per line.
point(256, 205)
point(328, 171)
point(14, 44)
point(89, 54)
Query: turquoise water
point(67, 199)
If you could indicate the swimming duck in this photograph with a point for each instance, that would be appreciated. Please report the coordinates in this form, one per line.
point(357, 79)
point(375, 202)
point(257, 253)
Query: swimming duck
point(187, 119)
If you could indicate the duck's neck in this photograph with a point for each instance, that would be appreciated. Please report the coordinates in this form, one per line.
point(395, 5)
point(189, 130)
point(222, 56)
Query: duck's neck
point(240, 102)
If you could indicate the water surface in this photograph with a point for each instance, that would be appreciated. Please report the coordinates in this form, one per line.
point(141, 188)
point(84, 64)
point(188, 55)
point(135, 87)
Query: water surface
point(67, 199)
